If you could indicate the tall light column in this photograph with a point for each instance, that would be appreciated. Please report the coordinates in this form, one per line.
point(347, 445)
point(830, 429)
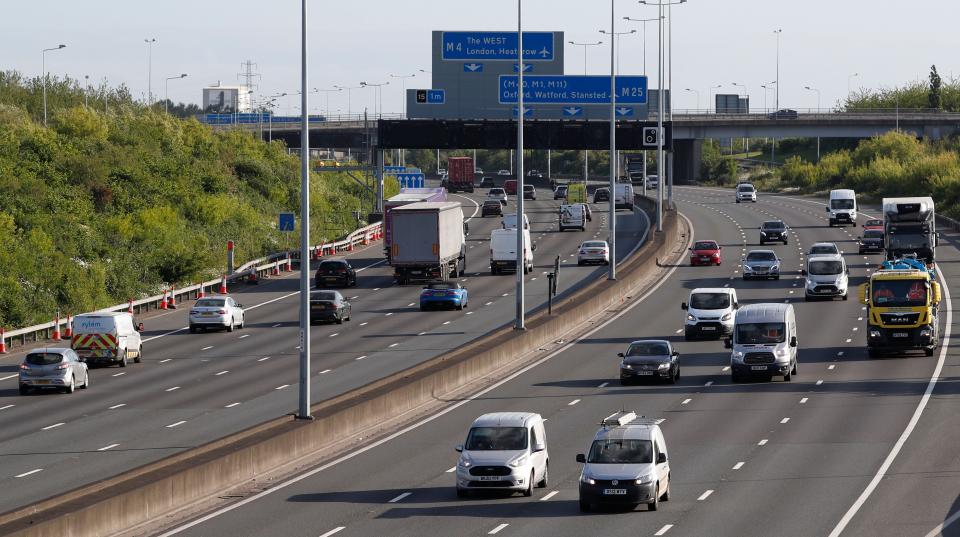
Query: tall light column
point(43, 68)
point(849, 78)
point(698, 95)
point(778, 31)
point(808, 88)
point(349, 93)
point(150, 43)
point(644, 21)
point(586, 153)
point(710, 97)
point(327, 92)
point(166, 91)
point(403, 86)
point(521, 245)
point(612, 239)
point(304, 407)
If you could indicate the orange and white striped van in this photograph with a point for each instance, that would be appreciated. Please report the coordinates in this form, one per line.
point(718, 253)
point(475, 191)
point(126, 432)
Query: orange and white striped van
point(106, 338)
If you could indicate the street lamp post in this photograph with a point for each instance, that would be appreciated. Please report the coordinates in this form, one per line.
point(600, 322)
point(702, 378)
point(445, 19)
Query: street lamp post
point(377, 95)
point(614, 68)
point(698, 95)
point(849, 78)
point(403, 86)
point(349, 92)
point(808, 88)
point(86, 90)
point(150, 43)
point(166, 88)
point(43, 67)
point(644, 21)
point(586, 153)
point(778, 31)
point(327, 92)
point(304, 407)
point(521, 243)
point(618, 34)
point(710, 96)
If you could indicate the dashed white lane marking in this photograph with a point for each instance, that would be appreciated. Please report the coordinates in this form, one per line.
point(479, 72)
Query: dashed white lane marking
point(364, 324)
point(4, 407)
point(173, 389)
point(325, 371)
point(604, 385)
point(762, 442)
point(10, 376)
point(376, 288)
point(208, 347)
point(849, 340)
point(276, 325)
point(388, 314)
point(549, 495)
point(335, 334)
point(855, 328)
point(31, 472)
point(354, 297)
point(739, 465)
point(446, 322)
point(804, 400)
point(488, 303)
point(725, 368)
point(664, 530)
point(840, 353)
point(686, 401)
point(265, 358)
point(784, 420)
point(705, 495)
point(243, 336)
point(116, 406)
point(336, 530)
point(571, 403)
point(451, 470)
point(177, 424)
point(678, 329)
point(400, 497)
point(165, 360)
point(105, 448)
point(120, 374)
point(422, 333)
point(505, 294)
point(231, 405)
point(496, 530)
point(360, 357)
point(410, 305)
point(282, 387)
point(831, 366)
point(224, 372)
point(54, 426)
point(709, 383)
point(469, 313)
point(819, 382)
point(392, 345)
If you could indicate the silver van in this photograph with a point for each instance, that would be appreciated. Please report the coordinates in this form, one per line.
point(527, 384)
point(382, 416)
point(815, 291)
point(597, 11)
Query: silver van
point(504, 451)
point(764, 342)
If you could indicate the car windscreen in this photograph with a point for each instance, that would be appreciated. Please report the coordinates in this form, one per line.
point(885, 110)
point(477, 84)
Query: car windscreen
point(332, 265)
point(760, 333)
point(761, 256)
point(495, 192)
point(496, 439)
point(621, 451)
point(873, 223)
point(441, 286)
point(44, 358)
point(745, 188)
point(898, 293)
point(823, 250)
point(594, 244)
point(648, 348)
point(705, 245)
point(210, 303)
point(710, 301)
point(824, 268)
point(841, 204)
point(491, 203)
point(873, 233)
point(773, 225)
point(323, 296)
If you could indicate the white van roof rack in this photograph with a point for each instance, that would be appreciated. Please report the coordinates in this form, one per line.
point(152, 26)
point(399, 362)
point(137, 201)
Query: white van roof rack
point(624, 417)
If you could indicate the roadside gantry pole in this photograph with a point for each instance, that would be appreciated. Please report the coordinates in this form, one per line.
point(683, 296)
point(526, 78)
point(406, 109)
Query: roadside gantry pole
point(303, 411)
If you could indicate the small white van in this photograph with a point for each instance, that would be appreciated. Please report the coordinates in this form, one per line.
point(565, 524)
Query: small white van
point(842, 207)
point(504, 451)
point(827, 277)
point(572, 217)
point(509, 221)
point(709, 312)
point(623, 196)
point(503, 251)
point(764, 342)
point(107, 338)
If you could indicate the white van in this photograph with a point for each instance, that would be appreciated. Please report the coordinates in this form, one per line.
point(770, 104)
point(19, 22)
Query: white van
point(573, 216)
point(623, 196)
point(509, 221)
point(709, 312)
point(764, 342)
point(504, 451)
point(827, 277)
point(842, 207)
point(107, 338)
point(503, 251)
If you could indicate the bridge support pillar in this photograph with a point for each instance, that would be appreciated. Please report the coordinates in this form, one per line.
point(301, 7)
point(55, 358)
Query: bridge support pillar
point(686, 160)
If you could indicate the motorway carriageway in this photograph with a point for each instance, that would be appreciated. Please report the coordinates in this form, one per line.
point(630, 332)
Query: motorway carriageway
point(753, 459)
point(194, 388)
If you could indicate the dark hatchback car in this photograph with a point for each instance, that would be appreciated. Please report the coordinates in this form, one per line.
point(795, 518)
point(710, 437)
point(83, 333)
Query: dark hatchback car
point(336, 271)
point(773, 231)
point(529, 192)
point(871, 241)
point(601, 194)
point(329, 306)
point(486, 182)
point(784, 113)
point(652, 359)
point(491, 208)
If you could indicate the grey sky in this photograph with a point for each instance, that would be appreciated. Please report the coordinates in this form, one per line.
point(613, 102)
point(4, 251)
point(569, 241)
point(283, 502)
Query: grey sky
point(715, 42)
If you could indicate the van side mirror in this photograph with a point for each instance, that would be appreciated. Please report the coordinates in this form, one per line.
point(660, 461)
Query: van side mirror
point(736, 305)
point(139, 327)
point(581, 458)
point(240, 306)
point(803, 272)
point(459, 448)
point(533, 248)
point(684, 306)
point(661, 458)
point(827, 209)
point(675, 354)
point(793, 341)
point(727, 343)
point(620, 354)
point(540, 446)
point(691, 249)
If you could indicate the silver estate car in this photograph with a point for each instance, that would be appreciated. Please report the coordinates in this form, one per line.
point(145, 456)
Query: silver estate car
point(221, 312)
point(56, 368)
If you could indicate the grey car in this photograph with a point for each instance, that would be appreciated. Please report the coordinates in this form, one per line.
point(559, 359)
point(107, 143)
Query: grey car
point(761, 264)
point(53, 368)
point(652, 359)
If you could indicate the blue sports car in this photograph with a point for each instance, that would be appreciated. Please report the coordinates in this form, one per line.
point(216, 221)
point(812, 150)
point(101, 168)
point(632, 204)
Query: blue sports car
point(443, 294)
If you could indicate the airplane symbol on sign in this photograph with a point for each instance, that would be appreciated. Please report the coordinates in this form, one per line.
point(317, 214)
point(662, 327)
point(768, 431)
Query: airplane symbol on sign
point(545, 53)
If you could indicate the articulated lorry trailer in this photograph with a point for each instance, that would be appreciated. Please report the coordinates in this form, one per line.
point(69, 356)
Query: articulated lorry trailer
point(909, 227)
point(405, 197)
point(429, 242)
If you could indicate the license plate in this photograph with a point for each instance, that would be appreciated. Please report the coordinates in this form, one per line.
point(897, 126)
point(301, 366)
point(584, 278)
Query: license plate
point(615, 492)
point(416, 272)
point(758, 368)
point(900, 334)
point(490, 478)
point(708, 328)
point(704, 258)
point(644, 372)
point(41, 382)
point(331, 277)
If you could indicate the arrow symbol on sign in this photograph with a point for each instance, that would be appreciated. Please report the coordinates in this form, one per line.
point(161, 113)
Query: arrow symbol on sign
point(624, 111)
point(473, 67)
point(572, 111)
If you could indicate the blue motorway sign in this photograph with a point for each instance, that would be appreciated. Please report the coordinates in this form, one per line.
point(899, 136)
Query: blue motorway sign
point(572, 89)
point(473, 67)
point(496, 46)
point(287, 222)
point(393, 169)
point(410, 180)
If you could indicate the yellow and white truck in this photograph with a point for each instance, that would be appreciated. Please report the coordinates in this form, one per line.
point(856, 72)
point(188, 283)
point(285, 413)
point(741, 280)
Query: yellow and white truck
point(901, 311)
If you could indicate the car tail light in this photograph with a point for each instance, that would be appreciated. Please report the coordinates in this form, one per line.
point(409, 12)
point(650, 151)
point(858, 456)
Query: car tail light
point(63, 366)
point(222, 312)
point(341, 271)
point(24, 367)
point(451, 293)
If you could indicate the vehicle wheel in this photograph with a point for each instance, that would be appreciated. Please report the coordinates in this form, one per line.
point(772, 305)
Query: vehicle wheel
point(738, 201)
point(784, 242)
point(666, 495)
point(928, 352)
point(462, 493)
point(193, 329)
point(687, 336)
point(546, 477)
point(655, 504)
point(230, 326)
point(70, 388)
point(583, 228)
point(677, 375)
point(777, 277)
point(786, 376)
point(529, 491)
point(459, 307)
point(762, 242)
point(340, 319)
point(673, 378)
point(86, 381)
point(423, 308)
point(579, 263)
point(584, 507)
point(24, 390)
point(123, 361)
point(139, 355)
point(735, 377)
point(845, 296)
point(807, 298)
point(794, 372)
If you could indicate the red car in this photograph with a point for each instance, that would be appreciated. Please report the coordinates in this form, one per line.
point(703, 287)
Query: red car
point(874, 223)
point(705, 253)
point(510, 187)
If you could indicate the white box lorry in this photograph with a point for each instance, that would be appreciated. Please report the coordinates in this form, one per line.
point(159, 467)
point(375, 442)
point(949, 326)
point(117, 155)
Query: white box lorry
point(429, 242)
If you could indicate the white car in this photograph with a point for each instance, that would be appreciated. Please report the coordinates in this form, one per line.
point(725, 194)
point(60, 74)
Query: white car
point(593, 252)
point(652, 181)
point(503, 172)
point(746, 192)
point(220, 312)
point(504, 451)
point(710, 312)
point(498, 194)
point(824, 248)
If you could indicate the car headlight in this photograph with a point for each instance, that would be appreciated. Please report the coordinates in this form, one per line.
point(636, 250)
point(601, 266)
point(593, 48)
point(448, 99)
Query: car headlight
point(874, 333)
point(464, 462)
point(763, 232)
point(925, 332)
point(626, 366)
point(780, 352)
point(645, 479)
point(716, 254)
point(748, 267)
point(663, 366)
point(691, 317)
point(584, 478)
point(811, 284)
point(775, 268)
point(727, 317)
point(516, 463)
point(736, 355)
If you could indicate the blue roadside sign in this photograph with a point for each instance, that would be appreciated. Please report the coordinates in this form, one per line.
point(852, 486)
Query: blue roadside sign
point(287, 222)
point(572, 89)
point(496, 46)
point(411, 180)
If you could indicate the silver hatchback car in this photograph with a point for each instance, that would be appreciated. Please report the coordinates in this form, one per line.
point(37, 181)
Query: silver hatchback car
point(56, 368)
point(221, 312)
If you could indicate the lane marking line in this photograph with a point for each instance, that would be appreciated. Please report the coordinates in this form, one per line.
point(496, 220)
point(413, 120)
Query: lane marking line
point(549, 495)
point(325, 371)
point(400, 497)
point(604, 385)
point(664, 530)
point(54, 426)
point(451, 470)
point(31, 472)
point(335, 334)
point(831, 366)
point(709, 383)
point(575, 401)
point(116, 406)
point(105, 448)
point(120, 374)
point(10, 376)
point(231, 405)
point(4, 407)
point(392, 345)
point(282, 387)
point(177, 424)
point(360, 357)
point(334, 531)
point(175, 388)
point(803, 400)
point(496, 530)
point(243, 336)
point(207, 348)
point(739, 465)
point(762, 442)
point(263, 359)
point(705, 495)
point(686, 401)
point(784, 420)
point(224, 372)
point(165, 360)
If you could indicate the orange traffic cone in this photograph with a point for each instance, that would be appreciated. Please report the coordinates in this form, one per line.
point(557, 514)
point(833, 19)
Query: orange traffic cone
point(289, 264)
point(130, 305)
point(201, 294)
point(172, 301)
point(223, 285)
point(163, 301)
point(3, 342)
point(56, 328)
point(68, 330)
